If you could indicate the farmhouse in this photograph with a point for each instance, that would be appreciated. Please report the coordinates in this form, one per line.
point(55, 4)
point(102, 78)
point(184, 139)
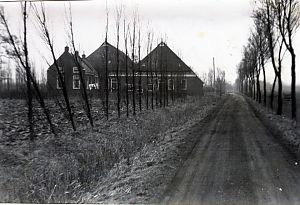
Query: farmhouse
point(98, 60)
point(69, 68)
point(170, 73)
point(161, 72)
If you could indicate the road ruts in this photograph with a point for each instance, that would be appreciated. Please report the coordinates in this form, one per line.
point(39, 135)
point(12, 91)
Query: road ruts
point(236, 161)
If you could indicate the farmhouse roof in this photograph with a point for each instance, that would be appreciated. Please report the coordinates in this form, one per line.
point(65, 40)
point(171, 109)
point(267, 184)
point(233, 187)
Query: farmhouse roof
point(98, 59)
point(163, 56)
point(170, 61)
point(89, 69)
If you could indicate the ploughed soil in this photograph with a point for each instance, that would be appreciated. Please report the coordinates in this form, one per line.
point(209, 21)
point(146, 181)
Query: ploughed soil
point(75, 165)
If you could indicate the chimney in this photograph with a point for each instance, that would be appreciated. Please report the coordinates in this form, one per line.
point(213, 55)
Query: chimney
point(67, 49)
point(83, 56)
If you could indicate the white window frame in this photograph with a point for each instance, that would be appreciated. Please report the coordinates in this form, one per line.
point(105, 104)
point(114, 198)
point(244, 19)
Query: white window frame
point(138, 89)
point(57, 82)
point(61, 69)
point(150, 84)
point(159, 84)
point(97, 82)
point(89, 80)
point(75, 71)
point(76, 77)
point(183, 84)
point(113, 81)
point(170, 80)
point(130, 87)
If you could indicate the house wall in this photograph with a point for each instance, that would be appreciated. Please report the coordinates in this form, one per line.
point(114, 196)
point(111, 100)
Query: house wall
point(194, 86)
point(67, 63)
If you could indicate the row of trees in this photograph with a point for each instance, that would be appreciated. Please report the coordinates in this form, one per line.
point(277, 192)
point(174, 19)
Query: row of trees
point(275, 24)
point(16, 47)
point(156, 67)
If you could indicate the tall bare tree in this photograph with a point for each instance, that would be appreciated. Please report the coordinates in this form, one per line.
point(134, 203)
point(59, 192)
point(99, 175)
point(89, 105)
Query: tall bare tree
point(19, 50)
point(287, 14)
point(132, 40)
point(106, 66)
point(80, 69)
point(118, 21)
point(264, 54)
point(126, 30)
point(45, 34)
point(274, 41)
point(139, 67)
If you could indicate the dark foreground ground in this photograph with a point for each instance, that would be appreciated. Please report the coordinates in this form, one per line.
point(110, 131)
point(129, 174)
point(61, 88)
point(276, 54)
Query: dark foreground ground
point(236, 161)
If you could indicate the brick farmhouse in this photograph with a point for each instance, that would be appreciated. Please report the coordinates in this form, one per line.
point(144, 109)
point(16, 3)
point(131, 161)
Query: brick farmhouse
point(161, 72)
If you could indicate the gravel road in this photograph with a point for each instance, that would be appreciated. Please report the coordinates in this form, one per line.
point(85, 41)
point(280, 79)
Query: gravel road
point(236, 161)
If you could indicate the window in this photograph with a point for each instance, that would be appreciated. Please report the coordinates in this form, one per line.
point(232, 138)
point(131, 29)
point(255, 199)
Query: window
point(113, 84)
point(183, 84)
point(75, 70)
point(76, 82)
point(97, 82)
point(170, 84)
point(130, 87)
point(150, 85)
point(89, 81)
point(160, 84)
point(61, 69)
point(139, 89)
point(59, 83)
point(155, 84)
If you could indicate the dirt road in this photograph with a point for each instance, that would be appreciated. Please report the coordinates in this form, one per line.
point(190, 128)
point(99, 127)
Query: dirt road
point(237, 161)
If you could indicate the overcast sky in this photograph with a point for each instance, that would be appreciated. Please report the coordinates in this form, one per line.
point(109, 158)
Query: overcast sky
point(198, 30)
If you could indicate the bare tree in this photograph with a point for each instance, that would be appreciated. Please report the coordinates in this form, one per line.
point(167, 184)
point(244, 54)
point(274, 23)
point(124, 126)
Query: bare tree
point(132, 41)
point(45, 34)
point(80, 70)
point(149, 68)
point(274, 40)
point(106, 67)
point(126, 30)
point(161, 87)
point(210, 77)
point(20, 52)
point(287, 14)
point(139, 67)
point(264, 53)
point(220, 81)
point(118, 21)
point(254, 42)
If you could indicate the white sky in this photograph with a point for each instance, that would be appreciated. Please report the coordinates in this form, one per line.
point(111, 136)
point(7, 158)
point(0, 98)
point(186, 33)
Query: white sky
point(197, 29)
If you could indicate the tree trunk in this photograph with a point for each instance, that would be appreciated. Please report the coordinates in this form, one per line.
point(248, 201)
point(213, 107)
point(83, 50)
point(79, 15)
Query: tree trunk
point(279, 108)
point(147, 92)
point(293, 86)
point(253, 87)
point(272, 92)
point(258, 88)
point(118, 79)
point(265, 85)
point(106, 79)
point(29, 103)
point(133, 89)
